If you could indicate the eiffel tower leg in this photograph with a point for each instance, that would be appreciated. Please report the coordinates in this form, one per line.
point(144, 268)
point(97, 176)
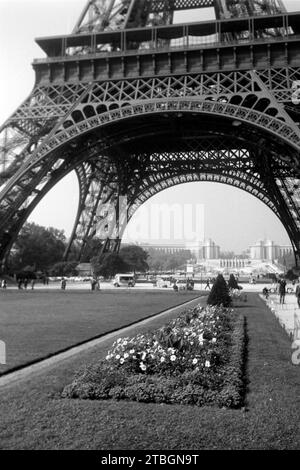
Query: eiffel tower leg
point(99, 213)
point(281, 196)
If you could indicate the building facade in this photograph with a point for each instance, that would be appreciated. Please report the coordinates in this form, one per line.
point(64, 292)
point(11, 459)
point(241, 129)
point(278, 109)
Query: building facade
point(205, 250)
point(269, 250)
point(202, 250)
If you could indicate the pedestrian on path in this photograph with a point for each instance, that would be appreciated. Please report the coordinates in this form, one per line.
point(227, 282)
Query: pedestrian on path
point(297, 293)
point(207, 284)
point(282, 291)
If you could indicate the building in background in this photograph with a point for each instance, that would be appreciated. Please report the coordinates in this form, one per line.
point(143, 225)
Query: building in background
point(204, 250)
point(201, 250)
point(164, 248)
point(268, 250)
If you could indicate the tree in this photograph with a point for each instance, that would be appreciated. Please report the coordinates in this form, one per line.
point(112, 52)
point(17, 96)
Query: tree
point(232, 283)
point(291, 275)
point(109, 264)
point(287, 260)
point(91, 250)
point(219, 294)
point(37, 246)
point(64, 268)
point(135, 258)
point(162, 261)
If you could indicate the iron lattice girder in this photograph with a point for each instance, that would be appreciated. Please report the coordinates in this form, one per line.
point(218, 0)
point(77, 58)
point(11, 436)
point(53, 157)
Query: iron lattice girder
point(176, 5)
point(82, 127)
point(227, 32)
point(151, 181)
point(100, 15)
point(86, 223)
point(103, 96)
point(116, 66)
point(161, 181)
point(85, 103)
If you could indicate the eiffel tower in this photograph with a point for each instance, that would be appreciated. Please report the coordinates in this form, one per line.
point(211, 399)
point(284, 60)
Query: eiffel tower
point(136, 102)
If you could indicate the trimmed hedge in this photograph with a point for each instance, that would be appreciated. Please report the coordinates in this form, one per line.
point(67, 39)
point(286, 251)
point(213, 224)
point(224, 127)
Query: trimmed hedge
point(220, 385)
point(219, 294)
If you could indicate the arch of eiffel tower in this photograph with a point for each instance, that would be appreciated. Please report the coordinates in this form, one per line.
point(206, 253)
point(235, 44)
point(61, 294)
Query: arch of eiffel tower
point(136, 102)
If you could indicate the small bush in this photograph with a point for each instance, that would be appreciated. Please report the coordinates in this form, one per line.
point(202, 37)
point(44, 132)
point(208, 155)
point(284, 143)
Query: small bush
point(232, 283)
point(219, 294)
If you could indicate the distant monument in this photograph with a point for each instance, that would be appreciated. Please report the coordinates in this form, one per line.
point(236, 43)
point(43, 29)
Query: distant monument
point(267, 250)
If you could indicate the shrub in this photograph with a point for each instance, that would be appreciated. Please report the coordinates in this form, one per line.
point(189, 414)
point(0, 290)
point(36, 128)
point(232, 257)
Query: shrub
point(219, 294)
point(232, 283)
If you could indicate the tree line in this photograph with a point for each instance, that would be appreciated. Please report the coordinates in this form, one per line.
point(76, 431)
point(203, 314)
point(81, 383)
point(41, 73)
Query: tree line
point(41, 249)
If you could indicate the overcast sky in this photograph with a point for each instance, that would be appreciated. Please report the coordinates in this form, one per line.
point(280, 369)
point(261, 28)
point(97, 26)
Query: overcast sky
point(234, 219)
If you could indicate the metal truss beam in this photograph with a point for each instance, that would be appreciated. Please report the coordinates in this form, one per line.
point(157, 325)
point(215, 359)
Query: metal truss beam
point(134, 104)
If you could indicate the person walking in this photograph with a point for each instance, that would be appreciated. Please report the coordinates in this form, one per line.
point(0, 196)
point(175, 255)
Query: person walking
point(282, 291)
point(266, 292)
point(32, 284)
point(297, 293)
point(63, 284)
point(207, 284)
point(95, 285)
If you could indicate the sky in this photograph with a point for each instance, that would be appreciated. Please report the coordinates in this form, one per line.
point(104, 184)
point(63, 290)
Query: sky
point(231, 217)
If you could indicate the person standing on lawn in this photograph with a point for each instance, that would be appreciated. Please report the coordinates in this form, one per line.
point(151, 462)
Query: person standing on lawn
point(63, 284)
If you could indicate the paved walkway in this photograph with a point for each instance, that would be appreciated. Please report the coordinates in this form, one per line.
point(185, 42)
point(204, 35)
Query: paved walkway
point(288, 314)
point(74, 285)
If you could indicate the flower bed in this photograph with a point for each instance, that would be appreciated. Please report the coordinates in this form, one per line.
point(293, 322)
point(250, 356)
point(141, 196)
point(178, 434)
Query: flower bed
point(195, 359)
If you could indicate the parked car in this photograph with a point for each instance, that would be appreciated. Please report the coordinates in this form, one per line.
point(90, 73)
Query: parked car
point(124, 280)
point(184, 284)
point(164, 281)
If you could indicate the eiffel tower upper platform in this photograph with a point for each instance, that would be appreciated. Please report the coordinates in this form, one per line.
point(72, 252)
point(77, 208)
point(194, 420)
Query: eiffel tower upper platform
point(135, 102)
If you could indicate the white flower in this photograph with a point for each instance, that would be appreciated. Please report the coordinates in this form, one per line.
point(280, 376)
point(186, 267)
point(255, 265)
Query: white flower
point(162, 359)
point(144, 356)
point(214, 340)
point(124, 343)
point(118, 356)
point(173, 358)
point(108, 357)
point(207, 364)
point(126, 355)
point(131, 351)
point(142, 366)
point(121, 360)
point(195, 361)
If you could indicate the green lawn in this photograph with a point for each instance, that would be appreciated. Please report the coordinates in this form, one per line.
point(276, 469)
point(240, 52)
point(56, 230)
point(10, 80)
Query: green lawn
point(33, 416)
point(36, 324)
